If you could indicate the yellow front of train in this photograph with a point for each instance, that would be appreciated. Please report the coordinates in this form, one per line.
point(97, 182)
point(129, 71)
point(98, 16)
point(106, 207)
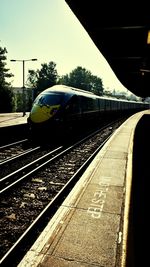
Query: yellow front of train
point(46, 116)
point(45, 107)
point(43, 118)
point(42, 113)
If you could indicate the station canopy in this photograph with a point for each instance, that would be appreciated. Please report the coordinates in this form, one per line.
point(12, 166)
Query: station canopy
point(121, 32)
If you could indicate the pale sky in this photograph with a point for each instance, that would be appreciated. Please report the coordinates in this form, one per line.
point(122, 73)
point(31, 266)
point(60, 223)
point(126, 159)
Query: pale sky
point(49, 31)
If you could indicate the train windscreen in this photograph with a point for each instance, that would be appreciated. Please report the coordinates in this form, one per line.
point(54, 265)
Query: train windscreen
point(50, 99)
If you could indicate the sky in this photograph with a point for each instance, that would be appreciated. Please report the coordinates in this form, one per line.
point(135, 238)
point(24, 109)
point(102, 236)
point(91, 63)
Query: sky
point(49, 31)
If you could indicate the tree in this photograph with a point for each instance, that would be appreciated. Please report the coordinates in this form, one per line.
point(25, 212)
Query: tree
point(6, 95)
point(19, 102)
point(96, 85)
point(45, 77)
point(83, 79)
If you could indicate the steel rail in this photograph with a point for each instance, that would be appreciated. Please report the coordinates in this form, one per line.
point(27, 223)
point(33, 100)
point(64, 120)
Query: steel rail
point(37, 161)
point(50, 208)
point(30, 150)
point(14, 143)
point(10, 176)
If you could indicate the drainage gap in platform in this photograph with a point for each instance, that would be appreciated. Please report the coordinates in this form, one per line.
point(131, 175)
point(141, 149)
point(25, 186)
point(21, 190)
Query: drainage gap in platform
point(139, 228)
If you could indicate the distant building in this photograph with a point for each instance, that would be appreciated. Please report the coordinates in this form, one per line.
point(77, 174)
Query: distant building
point(19, 90)
point(22, 97)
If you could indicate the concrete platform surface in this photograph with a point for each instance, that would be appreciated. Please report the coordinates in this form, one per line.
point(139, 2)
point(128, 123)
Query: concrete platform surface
point(90, 227)
point(12, 119)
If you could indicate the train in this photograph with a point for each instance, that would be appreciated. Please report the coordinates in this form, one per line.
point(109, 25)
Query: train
point(60, 110)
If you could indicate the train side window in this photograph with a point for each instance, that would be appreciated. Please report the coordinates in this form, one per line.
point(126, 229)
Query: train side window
point(114, 105)
point(106, 104)
point(73, 105)
point(90, 104)
point(96, 104)
point(84, 104)
point(87, 104)
point(101, 104)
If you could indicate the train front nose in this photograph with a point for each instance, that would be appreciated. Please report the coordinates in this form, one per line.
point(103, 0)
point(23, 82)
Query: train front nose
point(40, 114)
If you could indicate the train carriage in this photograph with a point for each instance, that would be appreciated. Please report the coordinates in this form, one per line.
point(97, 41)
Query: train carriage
point(61, 109)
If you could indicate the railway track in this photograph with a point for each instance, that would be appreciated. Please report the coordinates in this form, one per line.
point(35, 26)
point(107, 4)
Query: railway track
point(10, 180)
point(8, 150)
point(32, 199)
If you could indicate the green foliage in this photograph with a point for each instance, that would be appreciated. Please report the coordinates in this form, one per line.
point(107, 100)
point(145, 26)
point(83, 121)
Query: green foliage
point(80, 78)
point(6, 95)
point(96, 85)
point(28, 100)
point(45, 77)
point(83, 79)
point(19, 102)
point(6, 99)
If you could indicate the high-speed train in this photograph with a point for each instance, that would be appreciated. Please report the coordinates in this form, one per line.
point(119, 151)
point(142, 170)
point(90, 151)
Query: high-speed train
point(60, 109)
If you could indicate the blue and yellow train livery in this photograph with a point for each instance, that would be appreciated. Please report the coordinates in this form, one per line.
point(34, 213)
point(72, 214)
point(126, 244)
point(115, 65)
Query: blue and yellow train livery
point(61, 109)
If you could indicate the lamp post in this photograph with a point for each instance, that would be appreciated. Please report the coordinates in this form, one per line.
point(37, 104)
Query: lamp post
point(23, 87)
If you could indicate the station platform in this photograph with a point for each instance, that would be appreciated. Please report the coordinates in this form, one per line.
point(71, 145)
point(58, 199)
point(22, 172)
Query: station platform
point(12, 127)
point(91, 226)
point(12, 119)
